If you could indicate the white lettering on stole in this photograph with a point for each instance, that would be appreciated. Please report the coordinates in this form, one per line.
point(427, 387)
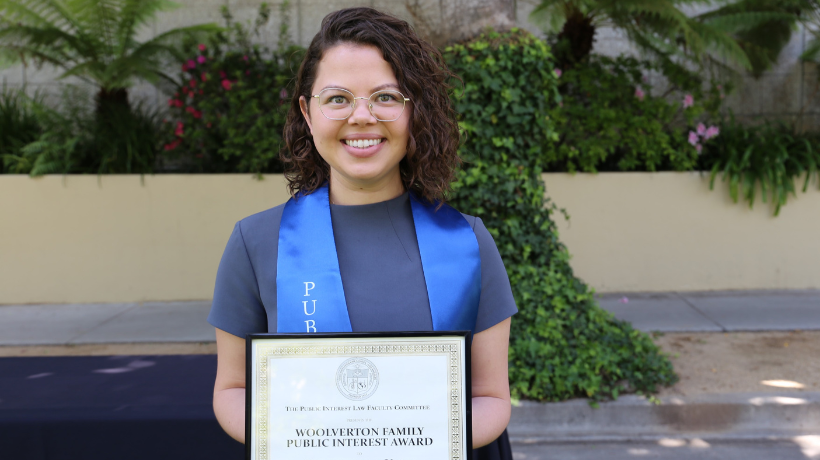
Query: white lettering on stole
point(308, 288)
point(311, 325)
point(304, 303)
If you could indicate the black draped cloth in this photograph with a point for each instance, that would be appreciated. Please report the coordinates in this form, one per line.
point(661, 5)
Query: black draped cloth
point(120, 407)
point(111, 407)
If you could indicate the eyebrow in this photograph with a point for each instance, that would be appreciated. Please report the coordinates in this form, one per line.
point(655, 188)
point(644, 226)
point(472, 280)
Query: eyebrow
point(377, 88)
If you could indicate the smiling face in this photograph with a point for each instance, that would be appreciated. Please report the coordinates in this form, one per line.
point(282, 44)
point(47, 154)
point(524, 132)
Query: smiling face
point(363, 152)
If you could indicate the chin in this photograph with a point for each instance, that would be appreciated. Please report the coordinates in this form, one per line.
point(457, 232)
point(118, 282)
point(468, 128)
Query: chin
point(365, 175)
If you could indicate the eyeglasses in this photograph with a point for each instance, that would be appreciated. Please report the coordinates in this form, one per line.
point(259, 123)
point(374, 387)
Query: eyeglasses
point(338, 104)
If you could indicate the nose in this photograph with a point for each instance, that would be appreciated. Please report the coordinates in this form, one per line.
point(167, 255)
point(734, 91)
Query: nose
point(361, 113)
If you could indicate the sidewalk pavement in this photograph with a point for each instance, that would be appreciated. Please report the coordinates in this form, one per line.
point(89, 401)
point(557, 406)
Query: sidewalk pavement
point(74, 324)
point(725, 416)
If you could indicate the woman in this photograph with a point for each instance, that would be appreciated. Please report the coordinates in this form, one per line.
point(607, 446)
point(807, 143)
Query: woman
point(372, 142)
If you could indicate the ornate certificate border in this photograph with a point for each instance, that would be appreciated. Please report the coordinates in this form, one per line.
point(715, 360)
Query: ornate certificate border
point(261, 348)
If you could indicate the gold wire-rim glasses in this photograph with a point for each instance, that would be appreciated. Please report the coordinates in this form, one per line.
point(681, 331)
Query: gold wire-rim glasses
point(352, 104)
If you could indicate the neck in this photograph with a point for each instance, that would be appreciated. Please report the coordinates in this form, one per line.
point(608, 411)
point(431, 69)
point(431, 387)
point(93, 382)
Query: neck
point(346, 193)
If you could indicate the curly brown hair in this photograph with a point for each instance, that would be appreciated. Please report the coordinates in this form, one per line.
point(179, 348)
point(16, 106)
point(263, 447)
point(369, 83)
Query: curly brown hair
point(431, 161)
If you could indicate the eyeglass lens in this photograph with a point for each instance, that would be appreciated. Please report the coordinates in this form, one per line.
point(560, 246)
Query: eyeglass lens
point(337, 104)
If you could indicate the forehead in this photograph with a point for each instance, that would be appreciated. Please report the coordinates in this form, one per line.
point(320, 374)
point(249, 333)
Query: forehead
point(357, 68)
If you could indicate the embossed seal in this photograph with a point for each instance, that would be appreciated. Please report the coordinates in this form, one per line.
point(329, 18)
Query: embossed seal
point(357, 379)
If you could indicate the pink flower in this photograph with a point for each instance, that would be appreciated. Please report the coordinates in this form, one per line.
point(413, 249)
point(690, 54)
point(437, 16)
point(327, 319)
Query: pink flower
point(639, 93)
point(190, 109)
point(180, 129)
point(247, 72)
point(688, 101)
point(699, 148)
point(693, 138)
point(624, 300)
point(191, 64)
point(713, 131)
point(192, 83)
point(184, 67)
point(283, 94)
point(204, 76)
point(701, 129)
point(197, 114)
point(245, 57)
point(226, 84)
point(172, 145)
point(222, 74)
point(201, 59)
point(558, 73)
point(201, 47)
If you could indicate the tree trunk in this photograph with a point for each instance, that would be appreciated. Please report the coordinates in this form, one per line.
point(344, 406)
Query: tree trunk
point(578, 37)
point(109, 100)
point(442, 22)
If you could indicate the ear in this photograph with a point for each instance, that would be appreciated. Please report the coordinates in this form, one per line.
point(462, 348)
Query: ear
point(303, 105)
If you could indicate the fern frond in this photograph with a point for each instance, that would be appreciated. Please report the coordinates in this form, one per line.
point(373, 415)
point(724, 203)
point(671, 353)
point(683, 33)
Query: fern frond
point(42, 13)
point(812, 52)
point(716, 41)
point(743, 21)
point(550, 14)
point(94, 69)
point(90, 39)
point(137, 13)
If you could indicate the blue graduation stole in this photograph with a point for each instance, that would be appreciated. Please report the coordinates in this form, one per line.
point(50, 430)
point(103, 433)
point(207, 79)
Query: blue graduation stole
point(309, 292)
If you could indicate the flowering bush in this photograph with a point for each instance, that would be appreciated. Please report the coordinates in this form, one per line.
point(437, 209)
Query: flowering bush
point(229, 108)
point(609, 120)
point(768, 160)
point(702, 134)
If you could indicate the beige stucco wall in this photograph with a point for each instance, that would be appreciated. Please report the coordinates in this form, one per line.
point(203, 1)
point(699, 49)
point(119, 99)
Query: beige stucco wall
point(668, 232)
point(117, 239)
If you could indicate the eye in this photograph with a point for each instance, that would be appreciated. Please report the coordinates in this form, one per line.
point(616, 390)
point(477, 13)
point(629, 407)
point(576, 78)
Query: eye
point(385, 97)
point(336, 99)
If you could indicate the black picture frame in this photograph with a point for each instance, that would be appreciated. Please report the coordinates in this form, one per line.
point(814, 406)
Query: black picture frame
point(467, 335)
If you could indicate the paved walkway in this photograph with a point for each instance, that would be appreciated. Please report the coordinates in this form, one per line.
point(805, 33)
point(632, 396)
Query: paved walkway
point(73, 324)
point(717, 311)
point(782, 415)
point(186, 321)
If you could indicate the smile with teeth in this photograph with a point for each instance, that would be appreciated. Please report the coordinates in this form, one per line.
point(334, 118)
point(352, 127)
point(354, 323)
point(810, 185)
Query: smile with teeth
point(362, 143)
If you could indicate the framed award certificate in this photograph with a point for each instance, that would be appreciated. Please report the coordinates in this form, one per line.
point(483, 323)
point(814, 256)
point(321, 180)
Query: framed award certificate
point(358, 396)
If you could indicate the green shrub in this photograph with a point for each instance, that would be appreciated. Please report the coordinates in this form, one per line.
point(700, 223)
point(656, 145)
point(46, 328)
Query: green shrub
point(81, 137)
point(608, 119)
point(19, 125)
point(229, 110)
point(766, 158)
point(562, 344)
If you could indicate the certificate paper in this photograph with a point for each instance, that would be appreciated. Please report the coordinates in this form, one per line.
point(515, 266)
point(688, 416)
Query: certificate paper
point(358, 396)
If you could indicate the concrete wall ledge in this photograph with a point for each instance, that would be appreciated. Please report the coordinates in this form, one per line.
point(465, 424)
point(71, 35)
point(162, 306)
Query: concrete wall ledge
point(127, 238)
point(666, 231)
point(121, 238)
